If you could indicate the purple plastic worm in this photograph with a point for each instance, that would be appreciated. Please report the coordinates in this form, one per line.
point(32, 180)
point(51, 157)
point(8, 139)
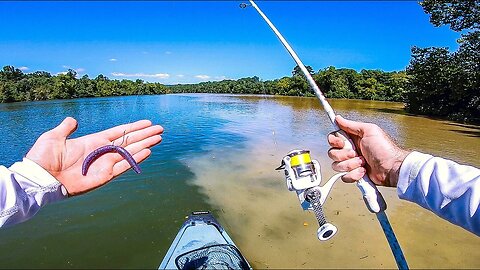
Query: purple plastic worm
point(109, 149)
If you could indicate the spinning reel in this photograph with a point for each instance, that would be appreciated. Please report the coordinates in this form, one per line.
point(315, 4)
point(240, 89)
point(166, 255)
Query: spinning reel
point(303, 175)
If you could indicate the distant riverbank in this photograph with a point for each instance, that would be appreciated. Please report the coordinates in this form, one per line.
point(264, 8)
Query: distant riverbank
point(335, 83)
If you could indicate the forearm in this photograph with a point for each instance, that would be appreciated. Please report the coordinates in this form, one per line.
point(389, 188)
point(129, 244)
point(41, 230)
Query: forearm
point(24, 188)
point(450, 190)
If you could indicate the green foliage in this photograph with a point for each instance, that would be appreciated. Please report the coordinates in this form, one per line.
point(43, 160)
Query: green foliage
point(297, 71)
point(335, 83)
point(41, 85)
point(460, 14)
point(443, 83)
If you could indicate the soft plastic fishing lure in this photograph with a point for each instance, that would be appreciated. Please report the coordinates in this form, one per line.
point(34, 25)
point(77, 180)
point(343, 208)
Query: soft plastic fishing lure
point(109, 149)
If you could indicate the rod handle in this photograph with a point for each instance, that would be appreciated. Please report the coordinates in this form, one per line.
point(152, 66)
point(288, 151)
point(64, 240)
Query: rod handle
point(371, 196)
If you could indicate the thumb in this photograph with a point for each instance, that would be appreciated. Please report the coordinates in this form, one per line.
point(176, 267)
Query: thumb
point(66, 128)
point(349, 126)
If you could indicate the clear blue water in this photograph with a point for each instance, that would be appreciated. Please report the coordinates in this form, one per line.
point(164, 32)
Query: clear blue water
point(130, 222)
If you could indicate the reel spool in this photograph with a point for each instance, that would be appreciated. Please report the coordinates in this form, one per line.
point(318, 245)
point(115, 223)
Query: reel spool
point(303, 175)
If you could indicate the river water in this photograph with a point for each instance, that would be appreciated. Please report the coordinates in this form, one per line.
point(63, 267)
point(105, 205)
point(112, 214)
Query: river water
point(219, 153)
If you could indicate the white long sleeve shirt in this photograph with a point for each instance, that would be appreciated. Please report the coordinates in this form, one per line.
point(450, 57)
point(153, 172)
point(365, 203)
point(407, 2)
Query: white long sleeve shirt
point(448, 189)
point(24, 188)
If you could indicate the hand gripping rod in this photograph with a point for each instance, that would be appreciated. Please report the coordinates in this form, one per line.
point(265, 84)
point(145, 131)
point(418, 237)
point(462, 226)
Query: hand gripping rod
point(372, 197)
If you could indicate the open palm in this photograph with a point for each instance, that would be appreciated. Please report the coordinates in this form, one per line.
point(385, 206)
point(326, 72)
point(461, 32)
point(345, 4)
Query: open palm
point(63, 157)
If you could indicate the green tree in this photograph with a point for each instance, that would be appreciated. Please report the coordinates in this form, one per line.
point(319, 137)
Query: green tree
point(283, 85)
point(6, 91)
point(10, 73)
point(443, 83)
point(334, 82)
point(459, 14)
point(298, 72)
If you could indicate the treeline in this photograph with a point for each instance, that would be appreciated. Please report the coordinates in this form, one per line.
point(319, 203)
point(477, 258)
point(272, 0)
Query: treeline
point(18, 86)
point(437, 82)
point(442, 83)
point(335, 83)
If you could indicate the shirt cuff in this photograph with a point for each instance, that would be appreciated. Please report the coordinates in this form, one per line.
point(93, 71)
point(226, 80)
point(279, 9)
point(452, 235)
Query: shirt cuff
point(409, 170)
point(41, 178)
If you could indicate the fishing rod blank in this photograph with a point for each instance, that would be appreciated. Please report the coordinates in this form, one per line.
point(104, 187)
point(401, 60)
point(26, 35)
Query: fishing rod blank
point(372, 197)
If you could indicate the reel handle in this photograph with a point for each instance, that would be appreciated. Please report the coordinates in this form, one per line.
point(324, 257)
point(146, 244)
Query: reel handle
point(371, 196)
point(326, 231)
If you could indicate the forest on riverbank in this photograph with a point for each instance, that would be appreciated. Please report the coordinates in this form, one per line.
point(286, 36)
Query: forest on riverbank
point(437, 82)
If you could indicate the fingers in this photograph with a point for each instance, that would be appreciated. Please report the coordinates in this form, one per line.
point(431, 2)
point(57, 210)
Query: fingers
point(137, 147)
point(334, 141)
point(338, 152)
point(349, 126)
point(66, 128)
point(341, 154)
point(118, 131)
point(138, 135)
point(345, 160)
point(348, 165)
point(354, 175)
point(122, 166)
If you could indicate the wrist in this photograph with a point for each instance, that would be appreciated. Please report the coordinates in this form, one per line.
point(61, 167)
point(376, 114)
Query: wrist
point(400, 155)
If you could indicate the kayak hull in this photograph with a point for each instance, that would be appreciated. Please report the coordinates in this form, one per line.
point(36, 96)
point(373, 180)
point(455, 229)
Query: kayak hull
point(200, 230)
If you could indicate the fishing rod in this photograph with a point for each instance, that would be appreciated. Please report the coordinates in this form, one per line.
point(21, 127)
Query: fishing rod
point(371, 196)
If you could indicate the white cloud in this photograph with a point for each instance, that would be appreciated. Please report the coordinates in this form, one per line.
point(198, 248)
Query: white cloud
point(79, 70)
point(202, 77)
point(221, 78)
point(155, 75)
point(180, 75)
point(112, 59)
point(23, 68)
point(60, 73)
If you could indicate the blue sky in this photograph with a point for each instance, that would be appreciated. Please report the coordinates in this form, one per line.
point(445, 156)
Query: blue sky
point(189, 42)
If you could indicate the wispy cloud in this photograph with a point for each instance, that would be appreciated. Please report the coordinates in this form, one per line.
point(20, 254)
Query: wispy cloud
point(168, 52)
point(180, 75)
point(113, 60)
point(144, 75)
point(202, 77)
point(23, 68)
point(221, 78)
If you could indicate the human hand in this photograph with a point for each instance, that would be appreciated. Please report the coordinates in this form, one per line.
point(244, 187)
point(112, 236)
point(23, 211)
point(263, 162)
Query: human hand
point(63, 158)
point(376, 153)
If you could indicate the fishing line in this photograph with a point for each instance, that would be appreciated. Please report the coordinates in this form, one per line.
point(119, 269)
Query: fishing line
point(274, 150)
point(130, 120)
point(372, 197)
